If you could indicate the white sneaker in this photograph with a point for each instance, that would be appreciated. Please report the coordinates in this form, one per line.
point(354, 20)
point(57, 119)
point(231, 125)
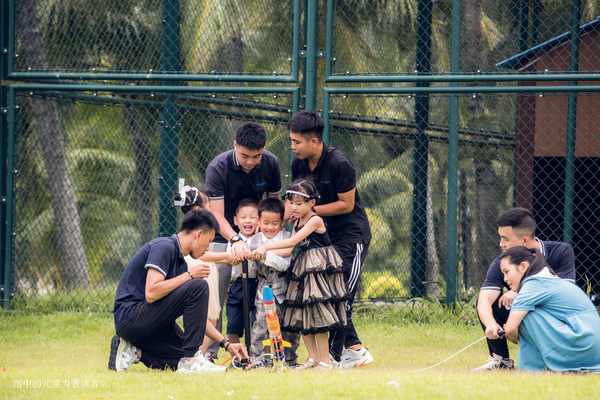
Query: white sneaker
point(496, 362)
point(344, 353)
point(122, 354)
point(198, 364)
point(336, 364)
point(356, 358)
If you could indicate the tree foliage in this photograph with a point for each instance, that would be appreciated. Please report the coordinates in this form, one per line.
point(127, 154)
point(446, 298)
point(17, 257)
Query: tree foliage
point(111, 143)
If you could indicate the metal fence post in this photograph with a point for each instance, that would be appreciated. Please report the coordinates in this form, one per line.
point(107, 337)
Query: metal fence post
point(571, 125)
point(326, 115)
point(451, 223)
point(8, 228)
point(169, 118)
point(419, 212)
point(329, 39)
point(310, 77)
point(4, 267)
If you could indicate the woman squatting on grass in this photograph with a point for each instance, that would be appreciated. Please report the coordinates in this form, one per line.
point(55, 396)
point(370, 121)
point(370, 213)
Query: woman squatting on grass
point(555, 324)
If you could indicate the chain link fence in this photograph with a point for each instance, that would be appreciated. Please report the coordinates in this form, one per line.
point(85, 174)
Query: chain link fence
point(490, 168)
point(133, 36)
point(452, 112)
point(111, 158)
point(387, 37)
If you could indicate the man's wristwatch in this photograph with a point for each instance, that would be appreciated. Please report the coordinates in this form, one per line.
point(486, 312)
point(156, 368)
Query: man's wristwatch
point(234, 239)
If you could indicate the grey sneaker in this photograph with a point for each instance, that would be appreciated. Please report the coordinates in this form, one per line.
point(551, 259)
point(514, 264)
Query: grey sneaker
point(122, 354)
point(356, 358)
point(198, 364)
point(496, 362)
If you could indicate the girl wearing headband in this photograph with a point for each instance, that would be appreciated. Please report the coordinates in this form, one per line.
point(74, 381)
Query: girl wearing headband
point(316, 292)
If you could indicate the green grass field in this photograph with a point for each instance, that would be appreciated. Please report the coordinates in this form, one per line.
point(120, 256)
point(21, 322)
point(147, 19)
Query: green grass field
point(64, 355)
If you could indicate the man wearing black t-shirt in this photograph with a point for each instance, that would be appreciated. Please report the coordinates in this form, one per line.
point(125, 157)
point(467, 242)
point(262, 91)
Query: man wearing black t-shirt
point(246, 172)
point(516, 227)
point(155, 289)
point(343, 211)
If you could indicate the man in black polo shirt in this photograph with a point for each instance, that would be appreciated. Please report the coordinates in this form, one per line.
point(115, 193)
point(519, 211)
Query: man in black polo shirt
point(247, 171)
point(342, 209)
point(516, 227)
point(155, 289)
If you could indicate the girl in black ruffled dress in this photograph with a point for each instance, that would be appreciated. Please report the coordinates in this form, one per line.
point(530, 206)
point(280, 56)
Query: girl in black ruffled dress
point(316, 292)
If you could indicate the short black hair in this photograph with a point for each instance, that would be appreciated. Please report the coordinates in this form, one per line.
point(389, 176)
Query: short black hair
point(251, 136)
point(518, 218)
point(199, 219)
point(308, 124)
point(247, 202)
point(271, 204)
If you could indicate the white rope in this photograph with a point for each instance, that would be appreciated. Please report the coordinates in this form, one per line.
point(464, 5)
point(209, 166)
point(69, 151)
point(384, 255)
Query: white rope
point(441, 362)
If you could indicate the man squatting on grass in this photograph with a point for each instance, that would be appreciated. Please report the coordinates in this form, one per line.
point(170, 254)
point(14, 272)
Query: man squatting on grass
point(156, 288)
point(516, 227)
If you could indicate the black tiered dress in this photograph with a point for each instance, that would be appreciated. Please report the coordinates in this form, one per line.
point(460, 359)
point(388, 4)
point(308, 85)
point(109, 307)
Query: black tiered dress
point(317, 291)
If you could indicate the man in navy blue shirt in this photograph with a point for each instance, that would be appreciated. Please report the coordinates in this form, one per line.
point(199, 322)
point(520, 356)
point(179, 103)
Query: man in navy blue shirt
point(155, 289)
point(342, 209)
point(516, 227)
point(246, 172)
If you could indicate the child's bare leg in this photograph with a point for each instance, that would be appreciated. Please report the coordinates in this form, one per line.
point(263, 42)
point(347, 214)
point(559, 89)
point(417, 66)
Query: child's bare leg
point(233, 338)
point(323, 345)
point(311, 346)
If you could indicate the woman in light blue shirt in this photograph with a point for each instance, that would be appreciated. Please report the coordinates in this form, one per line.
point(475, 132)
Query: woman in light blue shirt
point(555, 324)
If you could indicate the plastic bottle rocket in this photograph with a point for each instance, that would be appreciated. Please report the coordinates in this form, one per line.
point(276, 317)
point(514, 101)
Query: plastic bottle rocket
point(275, 341)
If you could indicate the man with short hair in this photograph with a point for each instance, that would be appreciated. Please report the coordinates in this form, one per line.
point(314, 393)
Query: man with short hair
point(516, 227)
point(247, 171)
point(342, 209)
point(155, 289)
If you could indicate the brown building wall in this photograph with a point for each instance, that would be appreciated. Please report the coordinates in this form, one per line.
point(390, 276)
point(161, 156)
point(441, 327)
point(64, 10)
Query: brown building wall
point(551, 109)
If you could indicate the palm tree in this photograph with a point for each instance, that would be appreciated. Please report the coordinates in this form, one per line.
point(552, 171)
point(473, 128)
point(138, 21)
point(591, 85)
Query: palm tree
point(235, 36)
point(114, 36)
point(66, 217)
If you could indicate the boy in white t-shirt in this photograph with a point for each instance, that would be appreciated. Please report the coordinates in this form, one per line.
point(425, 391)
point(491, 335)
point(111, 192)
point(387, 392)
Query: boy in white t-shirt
point(246, 219)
